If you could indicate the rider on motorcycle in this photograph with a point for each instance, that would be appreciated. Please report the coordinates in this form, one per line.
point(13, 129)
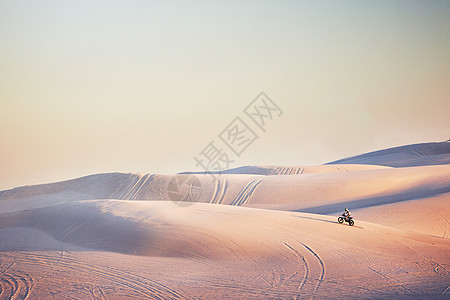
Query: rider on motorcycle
point(347, 214)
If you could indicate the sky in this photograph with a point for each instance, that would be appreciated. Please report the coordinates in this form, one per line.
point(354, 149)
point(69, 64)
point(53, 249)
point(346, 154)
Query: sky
point(144, 86)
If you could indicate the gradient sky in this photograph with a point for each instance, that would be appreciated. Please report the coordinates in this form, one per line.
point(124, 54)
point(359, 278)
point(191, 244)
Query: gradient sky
point(143, 86)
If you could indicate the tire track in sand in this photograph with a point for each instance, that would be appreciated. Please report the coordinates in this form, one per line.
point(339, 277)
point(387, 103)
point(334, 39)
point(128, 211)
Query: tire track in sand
point(220, 189)
point(15, 286)
point(147, 288)
point(322, 266)
point(301, 258)
point(312, 277)
point(129, 187)
point(134, 192)
point(246, 193)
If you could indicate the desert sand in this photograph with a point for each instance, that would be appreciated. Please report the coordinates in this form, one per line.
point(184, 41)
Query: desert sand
point(253, 232)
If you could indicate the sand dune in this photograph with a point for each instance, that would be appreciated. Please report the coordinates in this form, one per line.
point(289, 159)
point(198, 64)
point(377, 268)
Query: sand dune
point(275, 254)
point(404, 156)
point(255, 232)
point(322, 192)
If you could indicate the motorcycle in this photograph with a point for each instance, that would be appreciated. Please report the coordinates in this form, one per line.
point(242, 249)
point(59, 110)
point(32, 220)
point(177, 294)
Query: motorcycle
point(349, 220)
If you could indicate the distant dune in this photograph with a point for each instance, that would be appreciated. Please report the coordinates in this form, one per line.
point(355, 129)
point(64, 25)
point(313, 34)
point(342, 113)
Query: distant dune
point(404, 156)
point(253, 232)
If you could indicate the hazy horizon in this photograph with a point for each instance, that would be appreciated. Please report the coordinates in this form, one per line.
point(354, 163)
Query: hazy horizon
point(94, 87)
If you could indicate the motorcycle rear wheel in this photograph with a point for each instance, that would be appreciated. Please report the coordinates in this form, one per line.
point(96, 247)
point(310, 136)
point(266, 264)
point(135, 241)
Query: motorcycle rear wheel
point(341, 220)
point(351, 222)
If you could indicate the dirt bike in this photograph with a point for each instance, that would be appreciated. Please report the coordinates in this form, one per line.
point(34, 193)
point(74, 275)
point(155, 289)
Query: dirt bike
point(348, 219)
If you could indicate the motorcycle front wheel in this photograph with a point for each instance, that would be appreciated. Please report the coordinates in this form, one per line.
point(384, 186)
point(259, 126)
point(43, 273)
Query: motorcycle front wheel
point(351, 222)
point(341, 220)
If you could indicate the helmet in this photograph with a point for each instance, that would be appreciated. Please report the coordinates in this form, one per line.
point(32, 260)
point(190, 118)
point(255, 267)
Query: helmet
point(346, 209)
